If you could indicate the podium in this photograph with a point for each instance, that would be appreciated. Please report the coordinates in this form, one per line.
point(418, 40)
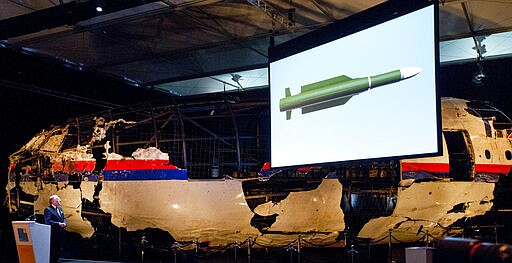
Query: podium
point(419, 254)
point(32, 241)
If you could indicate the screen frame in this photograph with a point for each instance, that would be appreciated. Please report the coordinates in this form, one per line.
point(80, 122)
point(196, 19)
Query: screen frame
point(368, 18)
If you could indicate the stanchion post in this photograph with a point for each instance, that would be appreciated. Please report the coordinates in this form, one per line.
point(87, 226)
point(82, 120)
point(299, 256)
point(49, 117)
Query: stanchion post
point(345, 235)
point(298, 244)
point(352, 251)
point(119, 243)
point(369, 248)
point(236, 248)
point(197, 246)
point(426, 238)
point(496, 233)
point(390, 259)
point(143, 243)
point(291, 249)
point(249, 249)
point(298, 248)
point(175, 246)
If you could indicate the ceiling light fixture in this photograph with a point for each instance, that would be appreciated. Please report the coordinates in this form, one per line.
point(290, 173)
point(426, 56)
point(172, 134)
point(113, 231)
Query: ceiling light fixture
point(100, 5)
point(236, 78)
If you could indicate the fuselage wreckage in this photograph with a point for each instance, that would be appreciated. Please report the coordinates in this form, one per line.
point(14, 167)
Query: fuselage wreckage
point(145, 189)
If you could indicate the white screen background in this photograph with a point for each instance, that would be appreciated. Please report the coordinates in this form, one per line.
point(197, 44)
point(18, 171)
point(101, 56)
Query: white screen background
point(392, 120)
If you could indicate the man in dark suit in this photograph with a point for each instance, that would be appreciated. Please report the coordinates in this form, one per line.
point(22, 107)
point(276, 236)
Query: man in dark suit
point(54, 216)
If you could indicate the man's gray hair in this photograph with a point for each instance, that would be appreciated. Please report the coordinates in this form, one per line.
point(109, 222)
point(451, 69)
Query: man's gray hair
point(53, 197)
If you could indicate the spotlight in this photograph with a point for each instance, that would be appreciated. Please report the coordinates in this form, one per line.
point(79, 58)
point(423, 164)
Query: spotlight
point(100, 6)
point(479, 74)
point(236, 78)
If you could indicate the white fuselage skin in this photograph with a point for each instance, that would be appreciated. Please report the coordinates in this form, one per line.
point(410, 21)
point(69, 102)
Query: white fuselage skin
point(216, 211)
point(212, 211)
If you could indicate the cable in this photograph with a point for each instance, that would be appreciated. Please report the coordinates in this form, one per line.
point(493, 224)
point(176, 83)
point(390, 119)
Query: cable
point(403, 242)
point(285, 246)
point(321, 245)
point(378, 240)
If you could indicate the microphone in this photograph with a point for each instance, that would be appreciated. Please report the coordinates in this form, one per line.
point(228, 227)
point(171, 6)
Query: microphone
point(31, 217)
point(419, 230)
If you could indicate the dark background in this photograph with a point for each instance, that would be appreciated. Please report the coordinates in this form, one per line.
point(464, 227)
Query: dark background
point(25, 113)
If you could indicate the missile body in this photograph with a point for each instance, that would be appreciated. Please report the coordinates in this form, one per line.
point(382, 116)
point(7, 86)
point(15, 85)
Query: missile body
point(338, 90)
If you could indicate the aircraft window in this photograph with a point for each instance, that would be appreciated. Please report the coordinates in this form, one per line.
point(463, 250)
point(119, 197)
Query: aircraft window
point(487, 154)
point(508, 155)
point(488, 130)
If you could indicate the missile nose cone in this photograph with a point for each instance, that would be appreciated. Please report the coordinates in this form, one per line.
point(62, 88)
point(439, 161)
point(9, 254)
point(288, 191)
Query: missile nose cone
point(408, 72)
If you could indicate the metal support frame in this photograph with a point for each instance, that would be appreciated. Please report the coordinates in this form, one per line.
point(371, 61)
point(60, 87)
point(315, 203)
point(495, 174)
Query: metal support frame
point(158, 131)
point(57, 94)
point(479, 48)
point(478, 44)
point(113, 133)
point(274, 14)
point(182, 128)
point(235, 127)
point(155, 129)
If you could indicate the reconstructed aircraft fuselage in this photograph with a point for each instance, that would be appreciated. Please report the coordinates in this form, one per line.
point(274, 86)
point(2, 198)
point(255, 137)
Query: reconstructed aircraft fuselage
point(146, 190)
point(469, 180)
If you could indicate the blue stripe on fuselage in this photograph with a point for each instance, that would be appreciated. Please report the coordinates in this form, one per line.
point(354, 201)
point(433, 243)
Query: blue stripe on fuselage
point(141, 175)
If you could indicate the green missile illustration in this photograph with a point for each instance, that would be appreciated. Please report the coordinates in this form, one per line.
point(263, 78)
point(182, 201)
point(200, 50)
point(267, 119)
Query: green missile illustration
point(338, 90)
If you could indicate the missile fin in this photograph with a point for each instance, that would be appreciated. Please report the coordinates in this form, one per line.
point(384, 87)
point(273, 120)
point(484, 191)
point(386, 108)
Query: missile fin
point(287, 92)
point(323, 83)
point(325, 105)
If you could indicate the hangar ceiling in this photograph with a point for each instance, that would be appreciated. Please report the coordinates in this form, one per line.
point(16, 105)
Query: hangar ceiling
point(184, 47)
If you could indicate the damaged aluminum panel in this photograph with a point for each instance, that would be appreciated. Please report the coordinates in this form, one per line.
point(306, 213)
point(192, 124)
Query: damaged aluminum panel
point(216, 212)
point(117, 173)
point(194, 170)
point(432, 207)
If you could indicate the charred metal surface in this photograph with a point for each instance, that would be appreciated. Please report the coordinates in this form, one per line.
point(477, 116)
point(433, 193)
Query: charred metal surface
point(277, 188)
point(496, 225)
point(23, 202)
point(369, 192)
point(103, 175)
point(502, 194)
point(75, 180)
point(461, 208)
point(105, 167)
point(435, 212)
point(263, 222)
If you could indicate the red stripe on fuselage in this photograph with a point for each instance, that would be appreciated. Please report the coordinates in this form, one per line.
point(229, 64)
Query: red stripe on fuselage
point(127, 164)
point(139, 165)
point(73, 166)
point(493, 168)
point(429, 167)
point(445, 167)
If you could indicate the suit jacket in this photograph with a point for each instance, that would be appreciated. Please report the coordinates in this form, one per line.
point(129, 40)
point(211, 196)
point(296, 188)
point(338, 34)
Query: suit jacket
point(52, 216)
